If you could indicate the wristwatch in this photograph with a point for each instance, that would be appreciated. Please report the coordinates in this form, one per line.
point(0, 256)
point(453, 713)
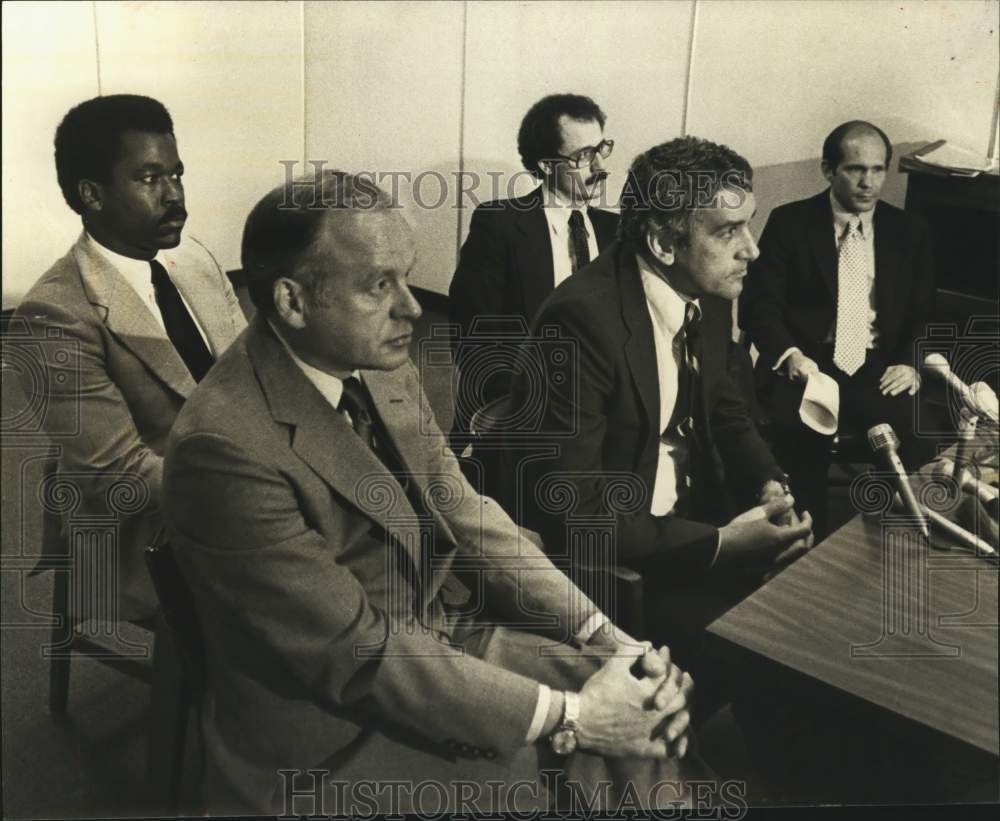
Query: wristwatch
point(564, 739)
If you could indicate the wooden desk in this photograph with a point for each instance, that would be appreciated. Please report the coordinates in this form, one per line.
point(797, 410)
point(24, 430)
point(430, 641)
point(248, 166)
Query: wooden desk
point(876, 614)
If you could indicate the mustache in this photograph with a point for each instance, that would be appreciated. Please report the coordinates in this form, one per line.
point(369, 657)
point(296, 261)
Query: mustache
point(174, 214)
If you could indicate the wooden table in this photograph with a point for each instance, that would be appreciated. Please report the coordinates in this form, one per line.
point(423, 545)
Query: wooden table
point(878, 615)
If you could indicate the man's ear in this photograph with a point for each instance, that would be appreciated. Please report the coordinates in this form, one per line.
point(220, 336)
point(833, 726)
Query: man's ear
point(289, 302)
point(662, 252)
point(828, 170)
point(90, 195)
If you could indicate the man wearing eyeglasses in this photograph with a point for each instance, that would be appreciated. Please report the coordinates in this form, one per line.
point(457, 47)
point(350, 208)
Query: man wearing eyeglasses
point(518, 250)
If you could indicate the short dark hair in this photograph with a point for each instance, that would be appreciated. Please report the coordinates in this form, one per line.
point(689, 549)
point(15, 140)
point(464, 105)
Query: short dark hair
point(88, 139)
point(667, 183)
point(538, 137)
point(281, 228)
point(833, 145)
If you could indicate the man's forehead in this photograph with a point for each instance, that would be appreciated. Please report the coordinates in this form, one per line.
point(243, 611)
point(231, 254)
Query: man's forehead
point(379, 236)
point(146, 147)
point(577, 134)
point(730, 205)
point(865, 145)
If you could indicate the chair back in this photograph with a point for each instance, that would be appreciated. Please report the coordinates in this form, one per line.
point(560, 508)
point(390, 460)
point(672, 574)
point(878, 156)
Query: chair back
point(179, 614)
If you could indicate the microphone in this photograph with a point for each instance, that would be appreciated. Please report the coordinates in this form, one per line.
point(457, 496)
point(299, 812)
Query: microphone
point(988, 495)
point(979, 399)
point(966, 433)
point(959, 533)
point(985, 400)
point(883, 440)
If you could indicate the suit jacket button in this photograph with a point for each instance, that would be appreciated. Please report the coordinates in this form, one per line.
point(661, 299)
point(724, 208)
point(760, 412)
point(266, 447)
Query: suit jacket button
point(489, 754)
point(464, 749)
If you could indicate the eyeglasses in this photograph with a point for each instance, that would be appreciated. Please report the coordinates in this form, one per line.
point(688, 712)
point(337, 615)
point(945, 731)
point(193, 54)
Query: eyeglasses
point(586, 156)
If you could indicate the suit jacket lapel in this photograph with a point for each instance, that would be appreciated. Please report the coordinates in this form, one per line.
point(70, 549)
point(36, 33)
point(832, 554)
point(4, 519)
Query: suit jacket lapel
point(605, 226)
point(130, 320)
point(534, 254)
point(206, 303)
point(325, 441)
point(822, 242)
point(887, 247)
point(640, 349)
point(399, 416)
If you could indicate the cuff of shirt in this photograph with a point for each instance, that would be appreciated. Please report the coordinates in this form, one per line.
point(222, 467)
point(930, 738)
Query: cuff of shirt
point(541, 711)
point(590, 627)
point(783, 357)
point(718, 549)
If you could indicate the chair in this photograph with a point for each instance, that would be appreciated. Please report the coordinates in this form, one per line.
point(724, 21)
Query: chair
point(68, 638)
point(620, 584)
point(179, 670)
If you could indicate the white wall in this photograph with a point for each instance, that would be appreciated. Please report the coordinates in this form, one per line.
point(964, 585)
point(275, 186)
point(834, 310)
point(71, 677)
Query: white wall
point(441, 87)
point(774, 82)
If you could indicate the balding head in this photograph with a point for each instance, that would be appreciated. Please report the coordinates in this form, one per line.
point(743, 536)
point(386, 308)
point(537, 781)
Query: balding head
point(833, 145)
point(281, 229)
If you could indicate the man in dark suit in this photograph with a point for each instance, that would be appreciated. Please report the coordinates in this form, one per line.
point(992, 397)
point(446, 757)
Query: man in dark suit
point(519, 249)
point(126, 323)
point(844, 285)
point(322, 523)
point(637, 412)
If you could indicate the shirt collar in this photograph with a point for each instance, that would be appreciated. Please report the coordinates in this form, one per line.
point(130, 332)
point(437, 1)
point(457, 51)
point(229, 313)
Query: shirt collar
point(667, 305)
point(558, 209)
point(842, 217)
point(330, 386)
point(135, 270)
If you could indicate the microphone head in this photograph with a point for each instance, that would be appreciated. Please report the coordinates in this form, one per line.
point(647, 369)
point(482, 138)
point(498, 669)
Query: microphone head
point(936, 361)
point(985, 400)
point(882, 437)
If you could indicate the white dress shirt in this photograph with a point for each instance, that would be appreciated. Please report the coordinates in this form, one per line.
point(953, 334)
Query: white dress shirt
point(557, 213)
point(867, 232)
point(139, 275)
point(332, 388)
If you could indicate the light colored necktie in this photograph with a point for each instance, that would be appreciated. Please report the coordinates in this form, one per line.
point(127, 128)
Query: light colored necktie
point(851, 336)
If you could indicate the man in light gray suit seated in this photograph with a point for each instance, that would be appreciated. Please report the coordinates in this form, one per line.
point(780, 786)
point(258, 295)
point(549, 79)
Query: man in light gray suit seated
point(371, 624)
point(121, 327)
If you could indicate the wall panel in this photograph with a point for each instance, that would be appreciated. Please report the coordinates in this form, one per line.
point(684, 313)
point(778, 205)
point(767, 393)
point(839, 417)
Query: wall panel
point(383, 95)
point(773, 77)
point(49, 65)
point(230, 73)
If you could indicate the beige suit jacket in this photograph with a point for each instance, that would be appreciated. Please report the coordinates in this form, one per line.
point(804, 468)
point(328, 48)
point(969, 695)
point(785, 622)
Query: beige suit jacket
point(330, 610)
point(107, 384)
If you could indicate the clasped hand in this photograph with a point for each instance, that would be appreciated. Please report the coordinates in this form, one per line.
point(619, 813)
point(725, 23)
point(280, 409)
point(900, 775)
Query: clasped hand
point(622, 715)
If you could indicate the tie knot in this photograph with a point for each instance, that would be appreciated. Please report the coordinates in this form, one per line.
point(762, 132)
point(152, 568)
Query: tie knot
point(159, 273)
point(690, 317)
point(853, 228)
point(576, 219)
point(353, 399)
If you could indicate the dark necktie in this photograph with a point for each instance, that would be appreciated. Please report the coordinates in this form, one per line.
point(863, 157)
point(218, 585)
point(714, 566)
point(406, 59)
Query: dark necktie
point(686, 347)
point(354, 400)
point(579, 251)
point(680, 426)
point(180, 327)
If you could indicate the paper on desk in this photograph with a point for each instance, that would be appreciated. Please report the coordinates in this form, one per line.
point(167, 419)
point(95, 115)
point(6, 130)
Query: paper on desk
point(954, 158)
point(820, 406)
